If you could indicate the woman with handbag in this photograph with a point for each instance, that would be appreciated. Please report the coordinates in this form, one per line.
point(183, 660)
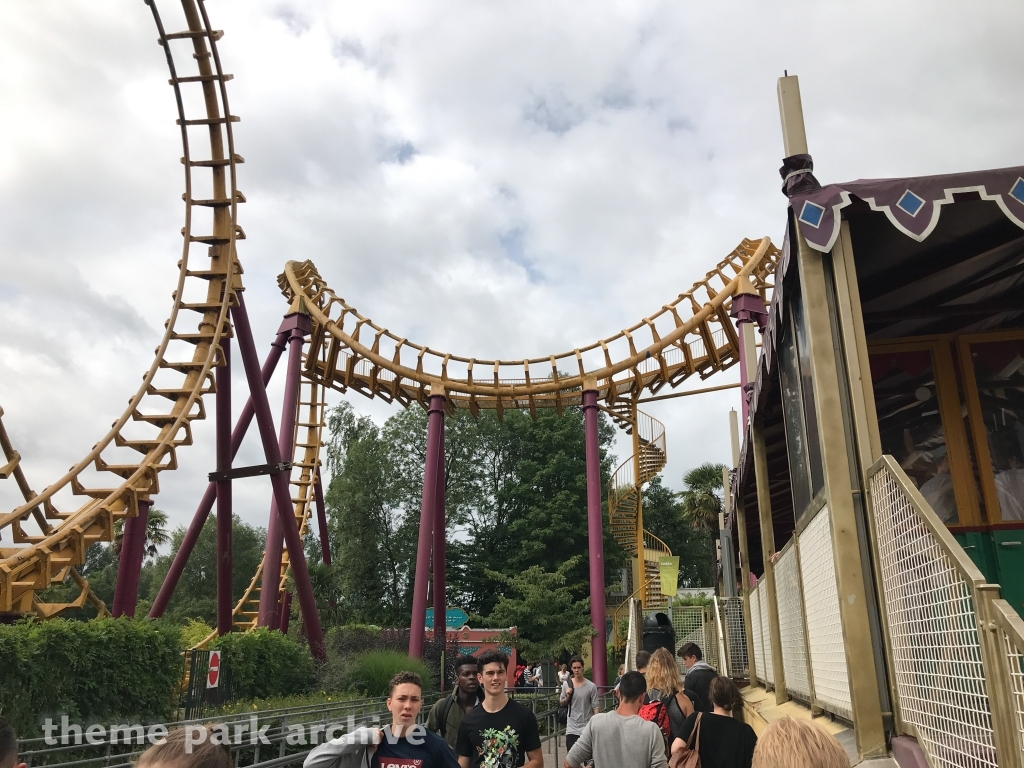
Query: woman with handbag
point(715, 739)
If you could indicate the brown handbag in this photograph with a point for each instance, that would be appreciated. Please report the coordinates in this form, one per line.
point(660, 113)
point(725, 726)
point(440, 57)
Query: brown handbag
point(688, 756)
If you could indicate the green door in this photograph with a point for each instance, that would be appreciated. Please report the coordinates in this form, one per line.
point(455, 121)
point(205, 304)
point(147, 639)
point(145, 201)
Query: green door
point(1009, 546)
point(979, 547)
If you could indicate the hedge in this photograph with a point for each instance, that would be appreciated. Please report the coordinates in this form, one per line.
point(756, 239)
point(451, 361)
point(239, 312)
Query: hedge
point(102, 670)
point(263, 664)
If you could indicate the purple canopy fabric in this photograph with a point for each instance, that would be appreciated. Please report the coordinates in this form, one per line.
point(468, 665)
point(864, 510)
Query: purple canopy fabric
point(912, 205)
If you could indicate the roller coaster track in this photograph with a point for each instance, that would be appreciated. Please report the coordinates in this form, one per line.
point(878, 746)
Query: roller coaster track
point(663, 349)
point(112, 477)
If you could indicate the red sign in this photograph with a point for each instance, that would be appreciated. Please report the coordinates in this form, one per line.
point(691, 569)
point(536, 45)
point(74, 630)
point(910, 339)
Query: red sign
point(213, 676)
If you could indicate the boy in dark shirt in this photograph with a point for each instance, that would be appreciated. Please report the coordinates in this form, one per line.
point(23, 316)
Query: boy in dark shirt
point(403, 744)
point(500, 732)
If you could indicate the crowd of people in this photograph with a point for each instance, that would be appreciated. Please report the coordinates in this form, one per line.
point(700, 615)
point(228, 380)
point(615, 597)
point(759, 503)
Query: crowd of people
point(661, 720)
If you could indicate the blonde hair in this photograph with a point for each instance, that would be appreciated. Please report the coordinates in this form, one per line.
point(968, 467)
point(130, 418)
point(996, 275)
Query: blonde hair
point(663, 674)
point(175, 753)
point(789, 743)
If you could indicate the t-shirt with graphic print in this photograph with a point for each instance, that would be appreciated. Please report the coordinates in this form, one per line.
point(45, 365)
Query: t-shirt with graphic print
point(498, 739)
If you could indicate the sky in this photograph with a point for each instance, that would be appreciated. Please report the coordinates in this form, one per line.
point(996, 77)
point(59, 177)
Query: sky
point(490, 179)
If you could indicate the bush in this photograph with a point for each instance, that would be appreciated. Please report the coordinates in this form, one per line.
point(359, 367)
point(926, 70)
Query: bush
point(103, 670)
point(240, 707)
point(372, 671)
point(345, 644)
point(261, 664)
point(194, 632)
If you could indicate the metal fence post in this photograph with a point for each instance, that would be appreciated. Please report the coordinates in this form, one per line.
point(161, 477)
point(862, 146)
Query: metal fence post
point(997, 672)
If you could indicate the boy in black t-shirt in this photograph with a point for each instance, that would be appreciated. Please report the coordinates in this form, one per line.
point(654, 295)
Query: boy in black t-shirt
point(500, 733)
point(403, 744)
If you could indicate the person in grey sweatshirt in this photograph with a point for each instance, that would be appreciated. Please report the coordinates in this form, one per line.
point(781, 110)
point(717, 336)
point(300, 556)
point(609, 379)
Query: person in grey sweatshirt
point(403, 743)
point(699, 674)
point(621, 738)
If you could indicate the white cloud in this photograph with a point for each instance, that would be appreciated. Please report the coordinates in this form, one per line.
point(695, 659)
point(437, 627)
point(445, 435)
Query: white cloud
point(503, 179)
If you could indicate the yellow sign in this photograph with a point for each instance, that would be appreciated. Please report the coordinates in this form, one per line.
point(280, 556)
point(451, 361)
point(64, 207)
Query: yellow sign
point(668, 568)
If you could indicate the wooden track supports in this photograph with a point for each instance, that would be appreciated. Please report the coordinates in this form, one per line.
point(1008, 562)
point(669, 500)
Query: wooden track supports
point(432, 476)
point(595, 536)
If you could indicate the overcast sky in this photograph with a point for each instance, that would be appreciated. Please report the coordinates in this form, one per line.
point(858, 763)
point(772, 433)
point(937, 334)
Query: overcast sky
point(492, 179)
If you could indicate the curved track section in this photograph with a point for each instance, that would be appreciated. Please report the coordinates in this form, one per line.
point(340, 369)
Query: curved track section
point(663, 349)
point(123, 467)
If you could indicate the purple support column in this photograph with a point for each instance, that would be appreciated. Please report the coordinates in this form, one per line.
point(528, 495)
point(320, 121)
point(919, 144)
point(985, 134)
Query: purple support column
point(321, 519)
point(279, 480)
point(438, 521)
point(225, 601)
point(435, 445)
point(595, 537)
point(747, 307)
point(203, 510)
point(133, 549)
point(270, 598)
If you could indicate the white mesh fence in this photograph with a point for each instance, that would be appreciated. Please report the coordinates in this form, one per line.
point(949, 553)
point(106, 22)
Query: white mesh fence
point(735, 636)
point(1015, 656)
point(791, 625)
point(766, 633)
point(824, 629)
point(696, 624)
point(755, 622)
point(936, 654)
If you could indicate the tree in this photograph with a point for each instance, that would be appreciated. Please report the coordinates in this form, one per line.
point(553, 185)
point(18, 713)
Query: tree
point(664, 517)
point(195, 596)
point(701, 502)
point(156, 534)
point(548, 616)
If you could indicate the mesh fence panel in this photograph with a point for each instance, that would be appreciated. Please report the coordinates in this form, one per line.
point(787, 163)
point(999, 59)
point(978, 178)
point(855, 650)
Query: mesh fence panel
point(755, 621)
point(1015, 656)
point(936, 654)
point(766, 633)
point(824, 628)
point(695, 624)
point(791, 625)
point(735, 636)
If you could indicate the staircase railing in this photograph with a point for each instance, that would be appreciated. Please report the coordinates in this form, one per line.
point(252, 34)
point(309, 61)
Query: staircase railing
point(955, 649)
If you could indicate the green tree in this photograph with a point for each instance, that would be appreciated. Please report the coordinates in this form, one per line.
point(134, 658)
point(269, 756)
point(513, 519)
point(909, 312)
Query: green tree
point(548, 616)
point(195, 596)
point(701, 501)
point(664, 517)
point(156, 534)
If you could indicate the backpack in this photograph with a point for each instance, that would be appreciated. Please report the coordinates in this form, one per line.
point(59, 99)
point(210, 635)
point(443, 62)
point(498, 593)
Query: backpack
point(562, 714)
point(657, 713)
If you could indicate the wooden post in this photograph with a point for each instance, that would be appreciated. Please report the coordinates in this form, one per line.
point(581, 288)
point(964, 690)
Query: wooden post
point(764, 508)
point(836, 463)
point(741, 535)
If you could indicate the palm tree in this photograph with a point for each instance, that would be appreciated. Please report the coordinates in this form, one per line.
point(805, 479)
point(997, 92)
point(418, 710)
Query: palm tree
point(700, 501)
point(156, 533)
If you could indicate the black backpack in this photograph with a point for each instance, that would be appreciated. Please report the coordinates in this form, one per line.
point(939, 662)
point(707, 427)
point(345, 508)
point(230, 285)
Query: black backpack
point(562, 714)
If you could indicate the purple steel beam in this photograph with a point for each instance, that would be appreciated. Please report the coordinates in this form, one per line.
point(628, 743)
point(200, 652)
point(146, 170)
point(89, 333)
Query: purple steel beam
point(435, 444)
point(321, 519)
point(747, 308)
point(225, 601)
point(279, 480)
point(188, 543)
point(595, 537)
point(269, 599)
point(440, 602)
point(129, 566)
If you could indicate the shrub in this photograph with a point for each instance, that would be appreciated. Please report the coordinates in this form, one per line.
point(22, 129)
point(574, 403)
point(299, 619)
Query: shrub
point(194, 632)
point(372, 671)
point(104, 669)
point(262, 664)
